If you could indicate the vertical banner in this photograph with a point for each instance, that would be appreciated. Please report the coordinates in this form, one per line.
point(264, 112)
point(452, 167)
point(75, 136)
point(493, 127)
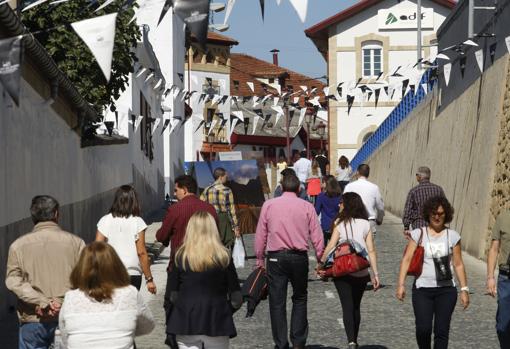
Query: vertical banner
point(10, 66)
point(195, 13)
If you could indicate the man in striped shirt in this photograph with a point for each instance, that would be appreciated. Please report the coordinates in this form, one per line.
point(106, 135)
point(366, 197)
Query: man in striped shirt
point(417, 197)
point(221, 198)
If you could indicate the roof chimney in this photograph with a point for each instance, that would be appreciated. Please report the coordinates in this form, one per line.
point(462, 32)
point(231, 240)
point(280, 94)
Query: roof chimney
point(275, 55)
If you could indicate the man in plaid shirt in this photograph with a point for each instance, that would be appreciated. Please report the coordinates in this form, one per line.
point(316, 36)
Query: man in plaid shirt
point(417, 197)
point(221, 197)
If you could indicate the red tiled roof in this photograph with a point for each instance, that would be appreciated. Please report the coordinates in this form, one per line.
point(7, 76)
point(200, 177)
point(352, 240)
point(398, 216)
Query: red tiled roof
point(245, 68)
point(216, 38)
point(320, 29)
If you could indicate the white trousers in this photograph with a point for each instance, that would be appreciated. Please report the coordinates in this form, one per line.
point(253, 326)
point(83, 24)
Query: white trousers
point(203, 342)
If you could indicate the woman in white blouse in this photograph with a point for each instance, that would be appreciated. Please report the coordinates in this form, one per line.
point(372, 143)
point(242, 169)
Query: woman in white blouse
point(343, 172)
point(102, 310)
point(124, 230)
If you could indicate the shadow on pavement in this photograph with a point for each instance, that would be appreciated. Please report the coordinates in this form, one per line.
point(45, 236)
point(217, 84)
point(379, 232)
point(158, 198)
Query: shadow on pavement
point(372, 347)
point(318, 346)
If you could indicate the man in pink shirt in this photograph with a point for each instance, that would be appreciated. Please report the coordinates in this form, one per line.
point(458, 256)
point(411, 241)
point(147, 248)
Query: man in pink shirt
point(285, 226)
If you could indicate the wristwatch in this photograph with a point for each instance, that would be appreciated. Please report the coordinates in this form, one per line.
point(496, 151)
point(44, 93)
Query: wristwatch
point(465, 289)
point(149, 279)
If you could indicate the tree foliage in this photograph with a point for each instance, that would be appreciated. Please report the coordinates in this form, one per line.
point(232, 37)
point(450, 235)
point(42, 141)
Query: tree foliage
point(51, 25)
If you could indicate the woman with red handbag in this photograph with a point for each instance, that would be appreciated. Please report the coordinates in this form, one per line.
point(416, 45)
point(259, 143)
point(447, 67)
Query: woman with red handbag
point(434, 293)
point(351, 229)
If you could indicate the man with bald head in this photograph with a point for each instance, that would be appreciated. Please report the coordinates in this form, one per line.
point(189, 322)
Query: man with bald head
point(416, 198)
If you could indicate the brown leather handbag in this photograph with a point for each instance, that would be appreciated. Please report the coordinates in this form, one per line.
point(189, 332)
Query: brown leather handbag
point(416, 265)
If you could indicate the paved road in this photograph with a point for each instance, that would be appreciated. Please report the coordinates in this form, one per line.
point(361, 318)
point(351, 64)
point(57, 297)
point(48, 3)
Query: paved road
point(386, 323)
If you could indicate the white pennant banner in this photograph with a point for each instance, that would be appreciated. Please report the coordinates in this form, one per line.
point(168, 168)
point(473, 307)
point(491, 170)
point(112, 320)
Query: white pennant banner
point(278, 117)
point(479, 59)
point(158, 84)
point(255, 101)
point(277, 109)
point(215, 99)
point(98, 34)
point(425, 88)
point(138, 121)
point(301, 7)
point(278, 88)
point(296, 100)
point(255, 122)
point(278, 2)
point(326, 91)
point(447, 69)
point(250, 84)
point(173, 124)
point(239, 115)
point(304, 88)
point(213, 125)
point(315, 101)
point(106, 3)
point(228, 11)
point(156, 124)
point(276, 100)
point(301, 116)
point(34, 4)
point(507, 41)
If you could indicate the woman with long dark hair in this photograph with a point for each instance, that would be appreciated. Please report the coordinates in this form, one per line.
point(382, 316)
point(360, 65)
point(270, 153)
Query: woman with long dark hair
point(352, 224)
point(124, 230)
point(328, 205)
point(434, 292)
point(343, 172)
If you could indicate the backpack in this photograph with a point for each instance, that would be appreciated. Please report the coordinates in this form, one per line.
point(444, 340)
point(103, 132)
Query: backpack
point(254, 290)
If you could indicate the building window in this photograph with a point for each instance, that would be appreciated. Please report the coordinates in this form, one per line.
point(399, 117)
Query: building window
point(236, 85)
point(371, 58)
point(146, 144)
point(209, 58)
point(197, 57)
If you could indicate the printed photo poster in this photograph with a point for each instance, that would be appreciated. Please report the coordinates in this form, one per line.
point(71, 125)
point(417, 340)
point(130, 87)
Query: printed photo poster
point(261, 165)
point(10, 66)
point(243, 179)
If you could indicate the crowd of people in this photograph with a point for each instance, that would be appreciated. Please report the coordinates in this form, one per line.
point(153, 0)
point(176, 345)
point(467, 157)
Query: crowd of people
point(90, 293)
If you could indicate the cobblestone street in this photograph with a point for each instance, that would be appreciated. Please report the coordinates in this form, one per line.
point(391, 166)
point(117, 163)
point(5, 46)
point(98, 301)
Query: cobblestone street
point(386, 323)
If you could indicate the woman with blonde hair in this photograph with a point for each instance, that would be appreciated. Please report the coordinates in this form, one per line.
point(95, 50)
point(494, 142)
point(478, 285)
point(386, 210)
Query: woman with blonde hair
point(102, 309)
point(204, 288)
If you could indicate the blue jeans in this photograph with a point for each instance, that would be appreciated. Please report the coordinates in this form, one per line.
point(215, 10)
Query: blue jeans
point(503, 314)
point(36, 335)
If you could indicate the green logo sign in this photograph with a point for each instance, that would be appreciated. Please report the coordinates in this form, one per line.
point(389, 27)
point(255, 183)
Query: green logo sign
point(391, 18)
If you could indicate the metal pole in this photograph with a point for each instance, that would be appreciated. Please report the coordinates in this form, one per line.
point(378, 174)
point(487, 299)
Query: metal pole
point(471, 13)
point(418, 25)
point(308, 140)
point(287, 129)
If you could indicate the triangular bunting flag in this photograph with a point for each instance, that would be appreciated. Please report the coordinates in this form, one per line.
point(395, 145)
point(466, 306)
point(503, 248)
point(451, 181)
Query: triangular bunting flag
point(377, 92)
point(470, 43)
point(339, 89)
point(462, 65)
point(304, 88)
point(479, 59)
point(405, 83)
point(278, 88)
point(195, 13)
point(164, 10)
point(165, 125)
point(212, 126)
point(326, 91)
point(492, 51)
point(215, 99)
point(386, 90)
point(256, 119)
point(106, 3)
point(507, 42)
point(202, 122)
point(277, 109)
point(425, 88)
point(34, 4)
point(301, 7)
point(10, 68)
point(276, 100)
point(262, 8)
point(278, 117)
point(98, 33)
point(350, 102)
point(138, 121)
point(443, 56)
point(155, 126)
point(173, 124)
point(447, 69)
point(251, 86)
point(239, 114)
point(232, 128)
point(228, 11)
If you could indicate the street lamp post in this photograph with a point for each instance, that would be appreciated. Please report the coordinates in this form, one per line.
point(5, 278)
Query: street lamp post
point(308, 122)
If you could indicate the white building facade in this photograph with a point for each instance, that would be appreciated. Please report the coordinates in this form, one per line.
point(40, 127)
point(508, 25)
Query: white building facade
point(364, 45)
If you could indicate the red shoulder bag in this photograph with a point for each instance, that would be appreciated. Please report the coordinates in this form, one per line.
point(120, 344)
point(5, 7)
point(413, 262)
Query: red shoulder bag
point(416, 265)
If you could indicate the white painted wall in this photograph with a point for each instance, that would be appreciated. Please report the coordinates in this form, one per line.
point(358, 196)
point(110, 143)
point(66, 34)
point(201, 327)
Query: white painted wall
point(193, 140)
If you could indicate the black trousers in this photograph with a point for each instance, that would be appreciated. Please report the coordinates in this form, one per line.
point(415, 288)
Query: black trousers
point(136, 281)
point(350, 290)
point(284, 267)
point(433, 305)
point(170, 340)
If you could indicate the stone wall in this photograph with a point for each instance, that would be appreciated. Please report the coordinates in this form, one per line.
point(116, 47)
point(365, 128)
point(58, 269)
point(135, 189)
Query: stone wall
point(466, 148)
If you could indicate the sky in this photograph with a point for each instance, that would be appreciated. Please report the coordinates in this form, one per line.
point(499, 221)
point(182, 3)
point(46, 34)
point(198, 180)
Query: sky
point(282, 29)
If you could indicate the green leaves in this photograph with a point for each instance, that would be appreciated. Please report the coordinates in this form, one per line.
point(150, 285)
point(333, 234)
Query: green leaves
point(74, 58)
